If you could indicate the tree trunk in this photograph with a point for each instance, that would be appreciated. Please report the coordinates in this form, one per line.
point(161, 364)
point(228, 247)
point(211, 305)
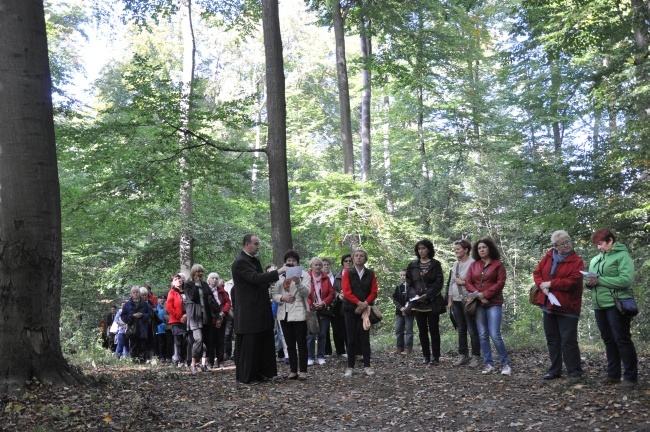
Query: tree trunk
point(189, 52)
point(421, 146)
point(277, 141)
point(556, 82)
point(344, 91)
point(366, 54)
point(30, 209)
point(386, 129)
point(641, 30)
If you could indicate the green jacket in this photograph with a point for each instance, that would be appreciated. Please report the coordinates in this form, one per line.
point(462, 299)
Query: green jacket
point(615, 270)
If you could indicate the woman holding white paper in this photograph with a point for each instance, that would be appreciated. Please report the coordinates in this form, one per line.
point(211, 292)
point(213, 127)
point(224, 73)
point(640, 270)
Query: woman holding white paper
point(290, 293)
point(559, 281)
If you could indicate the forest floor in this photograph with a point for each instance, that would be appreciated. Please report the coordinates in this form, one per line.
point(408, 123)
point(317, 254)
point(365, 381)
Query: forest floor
point(403, 395)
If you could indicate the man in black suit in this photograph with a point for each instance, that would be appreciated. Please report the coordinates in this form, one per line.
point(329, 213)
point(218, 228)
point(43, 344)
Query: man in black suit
point(255, 352)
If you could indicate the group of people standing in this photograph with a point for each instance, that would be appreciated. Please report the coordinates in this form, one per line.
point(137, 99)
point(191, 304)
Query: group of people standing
point(480, 275)
point(198, 316)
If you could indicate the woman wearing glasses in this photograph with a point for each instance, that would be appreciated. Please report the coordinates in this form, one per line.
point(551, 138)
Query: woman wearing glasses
point(558, 278)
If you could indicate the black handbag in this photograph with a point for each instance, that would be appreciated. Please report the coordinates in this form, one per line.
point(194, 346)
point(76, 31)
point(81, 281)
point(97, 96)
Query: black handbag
point(439, 304)
point(132, 329)
point(626, 306)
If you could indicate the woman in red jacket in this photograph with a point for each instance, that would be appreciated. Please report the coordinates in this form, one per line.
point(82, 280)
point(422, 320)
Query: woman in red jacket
point(486, 278)
point(558, 274)
point(177, 318)
point(320, 299)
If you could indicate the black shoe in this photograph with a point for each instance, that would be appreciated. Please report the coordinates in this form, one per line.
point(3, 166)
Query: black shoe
point(292, 377)
point(628, 385)
point(435, 362)
point(548, 376)
point(193, 369)
point(205, 368)
point(611, 380)
point(250, 383)
point(426, 361)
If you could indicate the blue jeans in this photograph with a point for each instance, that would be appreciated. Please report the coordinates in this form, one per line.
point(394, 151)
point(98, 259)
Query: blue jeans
point(488, 321)
point(466, 324)
point(324, 324)
point(122, 346)
point(404, 324)
point(615, 331)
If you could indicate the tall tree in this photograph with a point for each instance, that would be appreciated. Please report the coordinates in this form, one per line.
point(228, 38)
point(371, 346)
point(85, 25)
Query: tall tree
point(365, 37)
point(277, 139)
point(338, 19)
point(187, 85)
point(30, 214)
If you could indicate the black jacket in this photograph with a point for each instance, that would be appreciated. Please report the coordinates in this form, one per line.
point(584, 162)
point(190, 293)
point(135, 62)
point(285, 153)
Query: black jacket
point(430, 283)
point(252, 304)
point(400, 298)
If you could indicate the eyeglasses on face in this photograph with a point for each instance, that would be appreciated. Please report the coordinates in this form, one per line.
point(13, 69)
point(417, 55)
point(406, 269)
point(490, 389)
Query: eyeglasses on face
point(347, 260)
point(563, 244)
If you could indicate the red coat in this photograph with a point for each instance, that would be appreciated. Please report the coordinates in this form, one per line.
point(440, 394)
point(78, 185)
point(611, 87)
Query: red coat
point(174, 306)
point(494, 279)
point(566, 284)
point(326, 290)
point(224, 299)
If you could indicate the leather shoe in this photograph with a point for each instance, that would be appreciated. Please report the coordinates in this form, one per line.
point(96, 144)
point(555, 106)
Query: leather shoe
point(548, 376)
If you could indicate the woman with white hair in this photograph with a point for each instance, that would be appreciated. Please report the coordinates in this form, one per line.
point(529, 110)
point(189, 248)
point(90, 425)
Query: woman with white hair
point(216, 347)
point(200, 313)
point(559, 282)
point(136, 312)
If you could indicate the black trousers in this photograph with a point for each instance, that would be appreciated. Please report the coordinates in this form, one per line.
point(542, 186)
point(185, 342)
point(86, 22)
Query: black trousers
point(428, 322)
point(339, 334)
point(255, 356)
point(295, 333)
point(357, 336)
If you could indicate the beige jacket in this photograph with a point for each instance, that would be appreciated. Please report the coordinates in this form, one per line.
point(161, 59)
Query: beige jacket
point(292, 311)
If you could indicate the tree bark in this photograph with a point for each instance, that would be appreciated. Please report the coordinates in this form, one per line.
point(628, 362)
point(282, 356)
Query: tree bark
point(277, 140)
point(30, 206)
point(186, 246)
point(366, 54)
point(344, 91)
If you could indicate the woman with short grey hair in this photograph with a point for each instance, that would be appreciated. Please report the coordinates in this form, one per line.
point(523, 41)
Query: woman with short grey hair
point(199, 315)
point(559, 283)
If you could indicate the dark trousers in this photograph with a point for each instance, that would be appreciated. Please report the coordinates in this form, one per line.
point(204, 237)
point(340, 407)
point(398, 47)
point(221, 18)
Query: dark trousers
point(161, 343)
point(228, 338)
point(339, 334)
point(357, 336)
point(615, 331)
point(295, 333)
point(428, 323)
point(219, 343)
point(207, 332)
point(466, 325)
point(562, 341)
point(255, 356)
point(138, 349)
point(169, 345)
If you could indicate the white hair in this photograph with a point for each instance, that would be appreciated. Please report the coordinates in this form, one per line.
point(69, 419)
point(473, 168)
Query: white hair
point(558, 235)
point(144, 292)
point(314, 259)
point(213, 275)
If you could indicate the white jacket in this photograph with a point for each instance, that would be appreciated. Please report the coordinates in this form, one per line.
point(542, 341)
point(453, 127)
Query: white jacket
point(292, 311)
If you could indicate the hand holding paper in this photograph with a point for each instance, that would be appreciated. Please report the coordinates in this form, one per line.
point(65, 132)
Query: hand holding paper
point(554, 301)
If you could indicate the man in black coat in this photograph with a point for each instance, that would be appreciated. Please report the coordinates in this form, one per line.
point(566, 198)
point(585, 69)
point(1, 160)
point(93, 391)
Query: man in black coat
point(255, 353)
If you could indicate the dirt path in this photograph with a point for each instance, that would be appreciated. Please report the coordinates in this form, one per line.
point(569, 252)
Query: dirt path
point(403, 395)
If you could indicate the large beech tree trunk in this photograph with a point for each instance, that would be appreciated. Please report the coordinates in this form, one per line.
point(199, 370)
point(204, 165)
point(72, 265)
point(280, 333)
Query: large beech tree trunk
point(366, 95)
point(30, 206)
point(338, 21)
point(277, 141)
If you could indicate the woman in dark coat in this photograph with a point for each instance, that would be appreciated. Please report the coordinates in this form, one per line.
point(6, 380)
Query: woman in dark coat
point(136, 311)
point(424, 279)
point(201, 311)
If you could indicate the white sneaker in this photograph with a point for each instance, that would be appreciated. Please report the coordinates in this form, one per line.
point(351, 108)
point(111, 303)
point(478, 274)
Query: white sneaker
point(310, 362)
point(348, 372)
point(488, 369)
point(344, 356)
point(321, 361)
point(506, 370)
point(369, 371)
